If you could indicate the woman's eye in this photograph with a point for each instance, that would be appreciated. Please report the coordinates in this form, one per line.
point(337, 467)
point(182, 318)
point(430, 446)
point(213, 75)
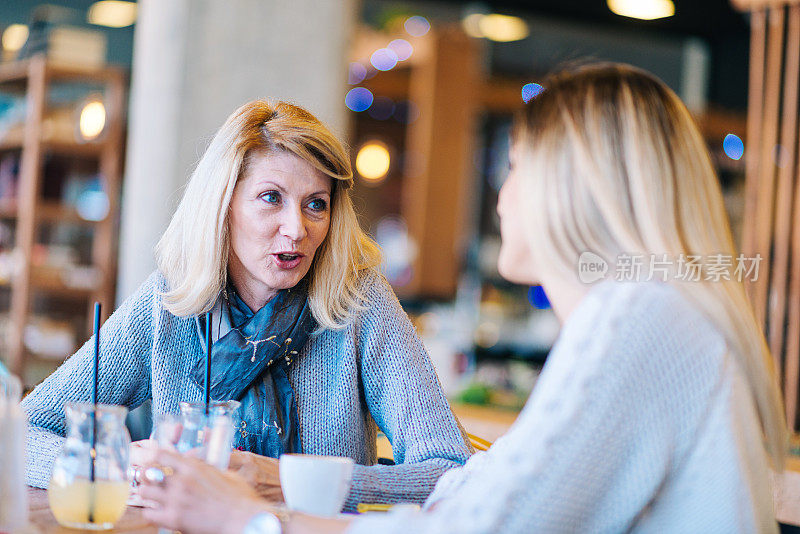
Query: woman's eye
point(271, 197)
point(318, 204)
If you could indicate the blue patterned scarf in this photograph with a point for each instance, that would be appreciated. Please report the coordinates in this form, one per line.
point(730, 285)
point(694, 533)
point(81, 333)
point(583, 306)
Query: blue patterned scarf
point(249, 363)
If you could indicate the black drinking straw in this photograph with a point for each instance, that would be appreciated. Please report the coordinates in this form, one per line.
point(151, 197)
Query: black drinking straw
point(93, 452)
point(208, 361)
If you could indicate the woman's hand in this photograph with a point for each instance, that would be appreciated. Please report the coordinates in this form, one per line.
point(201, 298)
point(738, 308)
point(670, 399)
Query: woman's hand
point(260, 472)
point(196, 498)
point(142, 453)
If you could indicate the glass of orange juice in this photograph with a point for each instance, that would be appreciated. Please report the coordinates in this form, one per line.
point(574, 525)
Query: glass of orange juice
point(78, 499)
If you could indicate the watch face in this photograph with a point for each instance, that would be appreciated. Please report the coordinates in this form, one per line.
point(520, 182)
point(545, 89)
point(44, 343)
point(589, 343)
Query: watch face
point(263, 523)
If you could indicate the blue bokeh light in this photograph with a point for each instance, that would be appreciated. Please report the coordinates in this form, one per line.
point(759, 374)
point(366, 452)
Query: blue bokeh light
point(733, 146)
point(406, 112)
point(531, 91)
point(382, 108)
point(358, 99)
point(417, 26)
point(538, 298)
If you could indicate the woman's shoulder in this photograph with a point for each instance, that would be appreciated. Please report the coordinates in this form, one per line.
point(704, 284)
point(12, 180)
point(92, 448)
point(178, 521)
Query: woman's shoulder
point(150, 289)
point(645, 328)
point(379, 306)
point(378, 296)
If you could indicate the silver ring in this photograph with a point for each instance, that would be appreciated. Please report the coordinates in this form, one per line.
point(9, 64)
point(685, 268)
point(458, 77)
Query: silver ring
point(135, 475)
point(157, 475)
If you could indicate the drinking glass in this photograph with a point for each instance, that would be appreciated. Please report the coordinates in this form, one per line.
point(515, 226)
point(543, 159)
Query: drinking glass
point(75, 500)
point(13, 428)
point(192, 432)
point(209, 437)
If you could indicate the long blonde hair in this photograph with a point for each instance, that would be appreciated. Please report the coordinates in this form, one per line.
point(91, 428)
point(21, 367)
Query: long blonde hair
point(193, 252)
point(616, 165)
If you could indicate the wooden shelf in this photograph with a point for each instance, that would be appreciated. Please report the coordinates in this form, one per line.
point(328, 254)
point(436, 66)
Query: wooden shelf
point(19, 72)
point(36, 76)
point(47, 283)
point(47, 211)
point(65, 148)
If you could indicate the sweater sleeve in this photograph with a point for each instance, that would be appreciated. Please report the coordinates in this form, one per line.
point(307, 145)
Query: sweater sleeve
point(126, 340)
point(596, 440)
point(405, 399)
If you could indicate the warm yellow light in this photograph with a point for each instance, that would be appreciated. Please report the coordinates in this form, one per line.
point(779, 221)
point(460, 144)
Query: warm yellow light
point(642, 9)
point(14, 37)
point(372, 161)
point(472, 25)
point(503, 28)
point(112, 13)
point(93, 120)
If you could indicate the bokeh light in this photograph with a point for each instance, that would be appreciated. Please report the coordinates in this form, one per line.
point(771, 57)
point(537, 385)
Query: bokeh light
point(503, 28)
point(112, 13)
point(406, 112)
point(382, 108)
point(531, 91)
point(14, 37)
point(399, 249)
point(358, 99)
point(472, 25)
point(417, 26)
point(92, 205)
point(373, 161)
point(642, 9)
point(356, 73)
point(384, 59)
point(92, 120)
point(402, 48)
point(538, 298)
point(733, 146)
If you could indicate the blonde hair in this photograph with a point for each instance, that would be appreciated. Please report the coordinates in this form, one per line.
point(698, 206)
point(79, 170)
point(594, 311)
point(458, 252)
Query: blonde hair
point(193, 252)
point(616, 165)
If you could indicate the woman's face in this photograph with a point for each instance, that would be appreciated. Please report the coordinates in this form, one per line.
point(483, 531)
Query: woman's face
point(279, 216)
point(515, 263)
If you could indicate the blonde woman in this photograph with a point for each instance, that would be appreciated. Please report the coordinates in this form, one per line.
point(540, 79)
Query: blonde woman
point(307, 335)
point(657, 410)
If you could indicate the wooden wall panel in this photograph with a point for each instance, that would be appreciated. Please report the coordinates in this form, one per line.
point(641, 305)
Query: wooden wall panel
point(772, 192)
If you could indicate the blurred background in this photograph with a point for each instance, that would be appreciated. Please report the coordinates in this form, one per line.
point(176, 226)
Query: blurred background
point(106, 106)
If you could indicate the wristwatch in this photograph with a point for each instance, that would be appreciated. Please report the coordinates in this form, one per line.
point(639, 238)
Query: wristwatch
point(263, 523)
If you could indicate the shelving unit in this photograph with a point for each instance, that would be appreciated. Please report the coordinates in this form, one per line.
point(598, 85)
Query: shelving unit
point(31, 212)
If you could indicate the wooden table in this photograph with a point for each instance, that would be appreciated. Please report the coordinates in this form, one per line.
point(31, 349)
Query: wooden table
point(42, 518)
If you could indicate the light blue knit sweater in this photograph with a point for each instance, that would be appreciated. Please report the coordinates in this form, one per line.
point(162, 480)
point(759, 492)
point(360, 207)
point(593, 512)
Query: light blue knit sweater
point(375, 370)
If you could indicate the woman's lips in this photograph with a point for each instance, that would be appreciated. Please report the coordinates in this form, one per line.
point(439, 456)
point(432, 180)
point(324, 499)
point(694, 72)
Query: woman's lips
point(287, 260)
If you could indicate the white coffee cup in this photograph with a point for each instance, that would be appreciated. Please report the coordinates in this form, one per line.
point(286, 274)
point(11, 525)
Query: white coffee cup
point(316, 485)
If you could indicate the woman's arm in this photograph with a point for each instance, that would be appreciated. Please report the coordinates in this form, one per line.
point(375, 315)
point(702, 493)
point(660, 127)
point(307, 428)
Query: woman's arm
point(125, 346)
point(405, 398)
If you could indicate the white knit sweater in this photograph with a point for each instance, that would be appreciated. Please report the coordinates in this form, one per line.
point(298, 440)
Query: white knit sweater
point(641, 421)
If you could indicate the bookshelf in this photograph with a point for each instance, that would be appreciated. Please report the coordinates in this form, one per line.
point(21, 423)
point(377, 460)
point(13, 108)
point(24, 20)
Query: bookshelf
point(47, 281)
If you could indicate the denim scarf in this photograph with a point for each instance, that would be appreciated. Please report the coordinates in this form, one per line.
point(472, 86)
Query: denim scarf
point(249, 363)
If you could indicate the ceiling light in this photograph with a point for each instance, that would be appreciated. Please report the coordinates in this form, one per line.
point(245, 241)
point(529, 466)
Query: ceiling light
point(642, 9)
point(14, 37)
point(112, 13)
point(503, 28)
point(471, 24)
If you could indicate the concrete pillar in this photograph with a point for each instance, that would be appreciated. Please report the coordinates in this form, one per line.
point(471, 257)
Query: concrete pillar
point(194, 62)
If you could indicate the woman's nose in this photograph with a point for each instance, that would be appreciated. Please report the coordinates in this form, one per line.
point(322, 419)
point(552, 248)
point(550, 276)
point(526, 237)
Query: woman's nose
point(293, 224)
